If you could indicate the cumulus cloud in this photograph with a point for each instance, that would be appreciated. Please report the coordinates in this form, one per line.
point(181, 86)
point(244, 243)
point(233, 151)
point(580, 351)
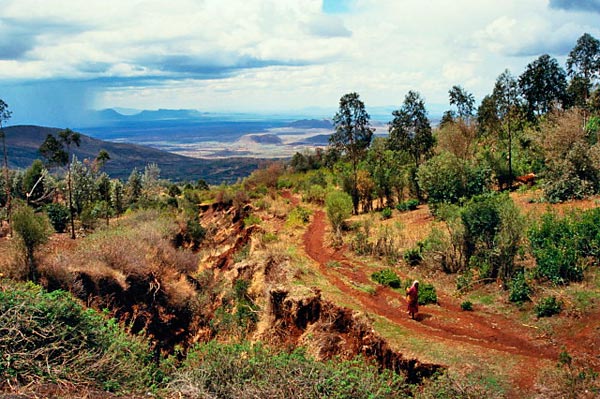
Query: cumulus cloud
point(576, 5)
point(244, 54)
point(513, 37)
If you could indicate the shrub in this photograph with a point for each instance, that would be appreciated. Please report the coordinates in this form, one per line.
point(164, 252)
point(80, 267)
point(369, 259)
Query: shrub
point(548, 306)
point(251, 220)
point(493, 229)
point(387, 277)
point(563, 183)
point(245, 370)
point(298, 216)
point(446, 179)
point(315, 194)
point(32, 230)
point(427, 294)
point(414, 256)
point(284, 183)
point(466, 306)
point(386, 213)
point(409, 205)
point(58, 214)
point(174, 190)
point(339, 208)
point(554, 245)
point(519, 290)
point(49, 337)
point(360, 244)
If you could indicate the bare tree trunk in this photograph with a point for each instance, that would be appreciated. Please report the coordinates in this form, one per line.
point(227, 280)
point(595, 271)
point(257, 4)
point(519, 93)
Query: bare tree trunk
point(6, 181)
point(71, 210)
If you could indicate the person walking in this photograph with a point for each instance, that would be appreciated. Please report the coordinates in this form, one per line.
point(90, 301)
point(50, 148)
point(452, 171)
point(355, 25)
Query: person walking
point(412, 297)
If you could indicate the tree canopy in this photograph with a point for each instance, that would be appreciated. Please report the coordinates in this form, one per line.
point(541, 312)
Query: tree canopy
point(410, 129)
point(543, 84)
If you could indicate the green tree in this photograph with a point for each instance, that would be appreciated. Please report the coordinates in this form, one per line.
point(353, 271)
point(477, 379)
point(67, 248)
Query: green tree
point(493, 229)
point(339, 208)
point(5, 115)
point(352, 136)
point(117, 198)
point(101, 159)
point(500, 117)
point(85, 191)
point(543, 84)
point(103, 186)
point(133, 188)
point(33, 231)
point(33, 182)
point(68, 137)
point(53, 150)
point(583, 62)
point(410, 131)
point(384, 169)
point(58, 215)
point(463, 101)
point(447, 178)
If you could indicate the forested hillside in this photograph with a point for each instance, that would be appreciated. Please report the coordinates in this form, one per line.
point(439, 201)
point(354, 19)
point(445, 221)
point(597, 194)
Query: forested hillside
point(23, 144)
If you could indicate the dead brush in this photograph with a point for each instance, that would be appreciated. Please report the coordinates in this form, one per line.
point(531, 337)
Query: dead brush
point(13, 262)
point(50, 337)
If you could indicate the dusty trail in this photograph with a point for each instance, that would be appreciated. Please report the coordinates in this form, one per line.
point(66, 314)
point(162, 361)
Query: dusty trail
point(446, 322)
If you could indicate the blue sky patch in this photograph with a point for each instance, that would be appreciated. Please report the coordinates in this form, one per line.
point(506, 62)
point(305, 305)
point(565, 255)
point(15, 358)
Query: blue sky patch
point(336, 6)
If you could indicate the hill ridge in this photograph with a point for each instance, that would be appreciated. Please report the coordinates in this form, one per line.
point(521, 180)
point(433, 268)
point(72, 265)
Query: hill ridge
point(23, 142)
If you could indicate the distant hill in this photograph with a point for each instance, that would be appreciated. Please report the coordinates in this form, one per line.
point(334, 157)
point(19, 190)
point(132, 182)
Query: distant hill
point(319, 139)
point(23, 143)
point(265, 139)
point(311, 124)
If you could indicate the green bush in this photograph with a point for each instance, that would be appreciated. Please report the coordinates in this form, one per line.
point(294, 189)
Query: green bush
point(587, 230)
point(387, 277)
point(284, 183)
point(49, 337)
point(58, 214)
point(339, 208)
point(414, 256)
point(467, 306)
point(251, 220)
point(548, 306)
point(298, 216)
point(493, 230)
point(519, 290)
point(555, 246)
point(386, 213)
point(427, 294)
point(409, 205)
point(32, 230)
point(447, 179)
point(315, 194)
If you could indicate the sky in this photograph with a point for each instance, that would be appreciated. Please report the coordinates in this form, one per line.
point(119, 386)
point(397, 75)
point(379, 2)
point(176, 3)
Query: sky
point(59, 58)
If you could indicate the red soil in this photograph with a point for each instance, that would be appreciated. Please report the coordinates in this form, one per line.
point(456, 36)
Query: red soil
point(445, 322)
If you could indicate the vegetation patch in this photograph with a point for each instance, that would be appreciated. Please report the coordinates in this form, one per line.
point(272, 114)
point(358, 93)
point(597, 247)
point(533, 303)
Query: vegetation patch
point(548, 306)
point(50, 337)
point(387, 277)
point(427, 294)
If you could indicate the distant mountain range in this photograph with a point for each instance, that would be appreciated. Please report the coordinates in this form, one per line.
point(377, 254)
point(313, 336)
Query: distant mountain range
point(166, 126)
point(24, 141)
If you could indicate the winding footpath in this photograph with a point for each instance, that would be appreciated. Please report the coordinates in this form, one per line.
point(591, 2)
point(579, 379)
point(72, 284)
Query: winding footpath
point(445, 322)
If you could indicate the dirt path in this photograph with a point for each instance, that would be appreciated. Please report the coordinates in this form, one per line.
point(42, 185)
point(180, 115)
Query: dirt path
point(445, 322)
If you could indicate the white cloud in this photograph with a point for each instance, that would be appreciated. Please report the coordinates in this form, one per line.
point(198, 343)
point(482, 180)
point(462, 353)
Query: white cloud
point(275, 54)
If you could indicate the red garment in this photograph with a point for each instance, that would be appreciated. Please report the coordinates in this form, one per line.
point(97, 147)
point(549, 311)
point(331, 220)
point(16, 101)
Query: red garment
point(413, 299)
